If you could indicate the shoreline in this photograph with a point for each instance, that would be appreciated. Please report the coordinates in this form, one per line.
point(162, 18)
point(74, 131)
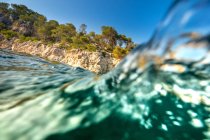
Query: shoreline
point(97, 62)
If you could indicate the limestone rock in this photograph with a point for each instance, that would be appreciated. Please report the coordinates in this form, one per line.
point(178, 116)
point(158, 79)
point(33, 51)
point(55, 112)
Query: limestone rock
point(98, 62)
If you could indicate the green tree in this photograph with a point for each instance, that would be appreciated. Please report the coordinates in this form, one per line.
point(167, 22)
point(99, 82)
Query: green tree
point(119, 52)
point(38, 23)
point(8, 34)
point(82, 29)
point(64, 33)
point(20, 10)
point(4, 8)
point(45, 32)
point(109, 36)
point(92, 37)
point(2, 26)
point(4, 15)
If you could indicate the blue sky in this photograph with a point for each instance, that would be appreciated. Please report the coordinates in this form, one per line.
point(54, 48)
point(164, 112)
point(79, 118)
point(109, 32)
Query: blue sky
point(135, 18)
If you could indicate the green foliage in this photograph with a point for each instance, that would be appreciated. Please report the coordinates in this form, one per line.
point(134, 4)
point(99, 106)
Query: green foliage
point(24, 39)
point(27, 18)
point(91, 47)
point(78, 42)
point(40, 21)
point(119, 52)
point(109, 35)
point(4, 5)
point(2, 26)
point(92, 34)
point(45, 31)
point(34, 27)
point(4, 8)
point(82, 29)
point(20, 10)
point(8, 34)
point(64, 33)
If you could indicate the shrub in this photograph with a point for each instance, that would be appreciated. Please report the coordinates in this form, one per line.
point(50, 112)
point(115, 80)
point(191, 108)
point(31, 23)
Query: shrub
point(23, 38)
point(8, 34)
point(2, 26)
point(119, 52)
point(91, 47)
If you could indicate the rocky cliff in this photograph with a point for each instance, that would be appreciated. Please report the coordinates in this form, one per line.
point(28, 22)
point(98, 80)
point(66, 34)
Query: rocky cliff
point(98, 62)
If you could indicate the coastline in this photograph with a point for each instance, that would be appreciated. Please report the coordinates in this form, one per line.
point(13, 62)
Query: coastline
point(97, 62)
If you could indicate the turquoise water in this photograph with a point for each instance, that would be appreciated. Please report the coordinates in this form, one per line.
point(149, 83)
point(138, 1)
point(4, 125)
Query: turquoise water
point(160, 91)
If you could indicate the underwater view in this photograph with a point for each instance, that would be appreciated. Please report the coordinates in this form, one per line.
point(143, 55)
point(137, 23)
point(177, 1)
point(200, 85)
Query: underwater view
point(159, 91)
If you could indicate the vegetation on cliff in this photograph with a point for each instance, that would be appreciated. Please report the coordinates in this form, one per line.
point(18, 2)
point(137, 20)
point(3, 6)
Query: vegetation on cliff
point(17, 21)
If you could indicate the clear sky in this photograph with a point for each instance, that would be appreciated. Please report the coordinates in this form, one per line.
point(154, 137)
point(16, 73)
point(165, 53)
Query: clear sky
point(134, 18)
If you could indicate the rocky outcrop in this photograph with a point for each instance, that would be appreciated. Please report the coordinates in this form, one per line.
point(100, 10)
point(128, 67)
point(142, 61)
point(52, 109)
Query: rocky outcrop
point(98, 62)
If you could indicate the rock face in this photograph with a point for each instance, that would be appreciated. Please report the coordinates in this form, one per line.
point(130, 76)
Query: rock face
point(98, 62)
